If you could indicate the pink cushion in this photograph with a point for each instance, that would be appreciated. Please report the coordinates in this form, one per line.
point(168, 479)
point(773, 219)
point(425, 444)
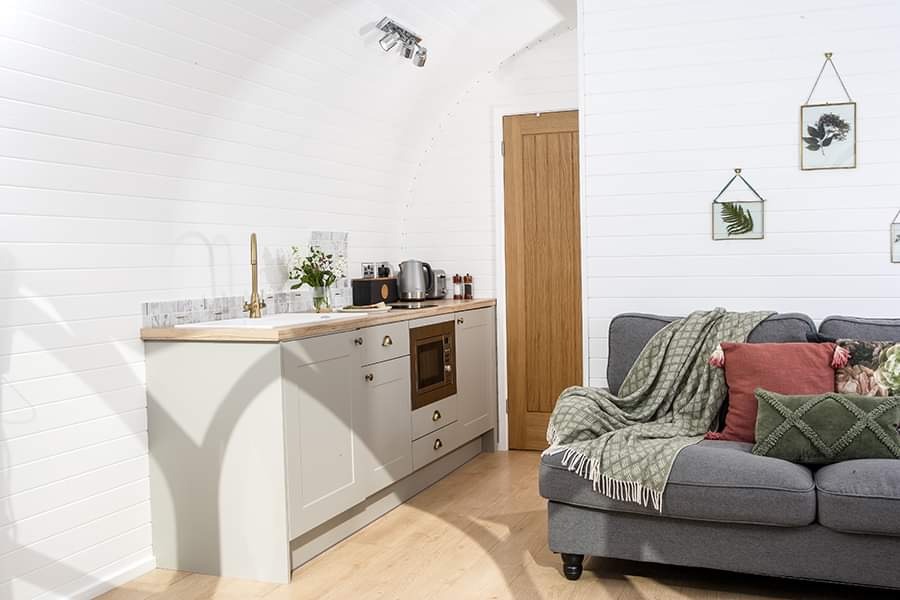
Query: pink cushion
point(786, 368)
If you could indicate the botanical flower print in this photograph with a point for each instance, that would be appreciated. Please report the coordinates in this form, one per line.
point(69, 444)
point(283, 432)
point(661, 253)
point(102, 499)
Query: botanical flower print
point(829, 128)
point(873, 369)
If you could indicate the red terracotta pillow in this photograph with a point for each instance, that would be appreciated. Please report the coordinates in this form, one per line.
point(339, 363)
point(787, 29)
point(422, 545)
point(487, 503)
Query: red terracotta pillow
point(785, 368)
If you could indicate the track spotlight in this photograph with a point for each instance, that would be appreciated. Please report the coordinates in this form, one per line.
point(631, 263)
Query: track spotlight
point(420, 57)
point(410, 47)
point(389, 41)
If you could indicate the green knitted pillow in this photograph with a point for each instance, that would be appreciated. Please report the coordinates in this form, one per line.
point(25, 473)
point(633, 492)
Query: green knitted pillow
point(827, 428)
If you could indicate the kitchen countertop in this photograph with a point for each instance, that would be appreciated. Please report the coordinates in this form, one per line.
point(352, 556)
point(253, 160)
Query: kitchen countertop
point(297, 332)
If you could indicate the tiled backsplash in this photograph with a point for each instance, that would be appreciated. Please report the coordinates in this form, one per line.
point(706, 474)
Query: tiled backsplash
point(197, 310)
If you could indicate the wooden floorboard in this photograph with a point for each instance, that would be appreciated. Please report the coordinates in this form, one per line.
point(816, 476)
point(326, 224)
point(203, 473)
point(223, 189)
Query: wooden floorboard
point(480, 533)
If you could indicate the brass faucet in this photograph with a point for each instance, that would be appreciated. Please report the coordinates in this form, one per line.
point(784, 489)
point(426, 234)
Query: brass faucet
point(255, 306)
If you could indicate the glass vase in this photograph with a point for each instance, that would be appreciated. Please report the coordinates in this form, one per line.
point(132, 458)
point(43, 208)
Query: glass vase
point(321, 299)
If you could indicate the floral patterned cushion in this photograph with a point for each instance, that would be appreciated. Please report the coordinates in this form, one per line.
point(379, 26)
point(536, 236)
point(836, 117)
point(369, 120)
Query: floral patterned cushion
point(872, 369)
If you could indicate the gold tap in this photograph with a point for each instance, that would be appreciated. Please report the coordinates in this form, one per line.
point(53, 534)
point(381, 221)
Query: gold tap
point(255, 306)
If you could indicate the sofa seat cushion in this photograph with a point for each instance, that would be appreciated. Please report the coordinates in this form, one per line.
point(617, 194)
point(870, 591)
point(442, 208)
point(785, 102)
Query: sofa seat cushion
point(714, 480)
point(860, 496)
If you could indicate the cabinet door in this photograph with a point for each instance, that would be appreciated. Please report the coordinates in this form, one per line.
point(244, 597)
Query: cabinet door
point(384, 424)
point(324, 473)
point(476, 372)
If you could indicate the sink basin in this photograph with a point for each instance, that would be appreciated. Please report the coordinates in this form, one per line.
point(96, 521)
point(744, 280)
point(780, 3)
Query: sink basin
point(275, 321)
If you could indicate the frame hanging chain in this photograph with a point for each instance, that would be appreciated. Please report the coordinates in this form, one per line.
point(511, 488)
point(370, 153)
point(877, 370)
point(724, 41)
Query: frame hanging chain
point(827, 62)
point(737, 175)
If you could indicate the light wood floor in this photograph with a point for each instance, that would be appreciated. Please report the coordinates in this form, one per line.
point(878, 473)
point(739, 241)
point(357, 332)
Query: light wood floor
point(481, 533)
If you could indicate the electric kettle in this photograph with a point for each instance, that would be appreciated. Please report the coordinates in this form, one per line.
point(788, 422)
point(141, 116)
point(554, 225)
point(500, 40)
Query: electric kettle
point(414, 280)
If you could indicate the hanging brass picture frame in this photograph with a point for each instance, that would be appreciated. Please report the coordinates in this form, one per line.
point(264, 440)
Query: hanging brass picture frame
point(828, 130)
point(738, 219)
point(895, 238)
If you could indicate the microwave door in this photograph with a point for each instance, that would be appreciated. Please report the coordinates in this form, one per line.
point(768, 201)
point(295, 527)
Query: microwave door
point(430, 363)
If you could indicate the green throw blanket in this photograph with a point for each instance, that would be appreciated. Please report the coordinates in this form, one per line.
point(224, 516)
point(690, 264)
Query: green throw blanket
point(626, 444)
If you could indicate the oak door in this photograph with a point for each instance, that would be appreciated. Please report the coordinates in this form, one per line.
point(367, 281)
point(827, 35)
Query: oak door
point(543, 269)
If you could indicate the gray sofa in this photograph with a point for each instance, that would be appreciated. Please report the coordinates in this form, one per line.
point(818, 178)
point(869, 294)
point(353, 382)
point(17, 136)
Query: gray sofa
point(725, 508)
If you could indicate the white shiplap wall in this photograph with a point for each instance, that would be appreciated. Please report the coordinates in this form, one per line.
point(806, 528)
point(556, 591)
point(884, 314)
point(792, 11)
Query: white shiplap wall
point(140, 143)
point(677, 94)
point(448, 219)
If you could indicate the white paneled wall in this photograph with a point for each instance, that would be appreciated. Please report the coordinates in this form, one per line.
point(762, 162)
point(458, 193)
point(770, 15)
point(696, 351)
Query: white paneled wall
point(678, 94)
point(448, 219)
point(140, 143)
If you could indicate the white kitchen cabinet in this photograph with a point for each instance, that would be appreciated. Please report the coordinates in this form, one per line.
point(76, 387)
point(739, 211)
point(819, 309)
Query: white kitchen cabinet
point(476, 372)
point(324, 470)
point(383, 426)
point(265, 453)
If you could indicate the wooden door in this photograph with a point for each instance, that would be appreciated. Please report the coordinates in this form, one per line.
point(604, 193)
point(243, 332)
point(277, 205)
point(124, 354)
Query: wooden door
point(543, 269)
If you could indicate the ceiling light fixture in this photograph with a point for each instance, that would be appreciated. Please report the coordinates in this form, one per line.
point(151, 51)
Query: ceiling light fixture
point(420, 57)
point(411, 47)
point(389, 41)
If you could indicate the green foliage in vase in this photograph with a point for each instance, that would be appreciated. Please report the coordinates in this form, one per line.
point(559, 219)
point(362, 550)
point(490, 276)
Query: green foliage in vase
point(316, 269)
point(738, 220)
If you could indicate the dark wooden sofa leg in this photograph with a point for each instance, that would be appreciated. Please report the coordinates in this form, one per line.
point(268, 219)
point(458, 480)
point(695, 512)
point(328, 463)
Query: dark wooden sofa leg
point(572, 565)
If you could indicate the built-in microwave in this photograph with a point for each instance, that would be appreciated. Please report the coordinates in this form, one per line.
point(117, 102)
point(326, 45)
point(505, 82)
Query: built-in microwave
point(432, 350)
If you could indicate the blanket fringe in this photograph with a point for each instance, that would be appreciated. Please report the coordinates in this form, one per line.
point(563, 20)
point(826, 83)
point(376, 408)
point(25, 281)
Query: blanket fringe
point(617, 489)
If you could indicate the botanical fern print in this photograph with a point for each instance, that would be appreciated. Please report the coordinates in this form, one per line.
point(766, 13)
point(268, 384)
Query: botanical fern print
point(873, 369)
point(738, 220)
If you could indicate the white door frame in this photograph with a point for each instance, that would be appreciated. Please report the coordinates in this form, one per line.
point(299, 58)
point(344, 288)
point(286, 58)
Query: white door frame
point(500, 111)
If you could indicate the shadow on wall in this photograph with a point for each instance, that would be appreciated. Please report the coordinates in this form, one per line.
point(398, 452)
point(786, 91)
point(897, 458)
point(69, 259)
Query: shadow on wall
point(25, 573)
point(33, 581)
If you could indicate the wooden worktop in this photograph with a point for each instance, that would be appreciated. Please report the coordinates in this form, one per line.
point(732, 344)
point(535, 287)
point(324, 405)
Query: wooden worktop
point(296, 332)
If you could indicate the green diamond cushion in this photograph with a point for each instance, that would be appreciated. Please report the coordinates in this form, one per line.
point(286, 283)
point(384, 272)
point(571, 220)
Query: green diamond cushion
point(827, 428)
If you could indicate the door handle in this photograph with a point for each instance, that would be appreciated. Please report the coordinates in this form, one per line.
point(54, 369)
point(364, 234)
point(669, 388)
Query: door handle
point(438, 444)
point(358, 341)
point(436, 416)
point(387, 341)
point(370, 377)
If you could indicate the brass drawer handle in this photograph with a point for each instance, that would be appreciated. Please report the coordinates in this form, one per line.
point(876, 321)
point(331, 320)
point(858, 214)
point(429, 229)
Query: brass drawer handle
point(370, 377)
point(436, 416)
point(438, 444)
point(387, 341)
point(358, 341)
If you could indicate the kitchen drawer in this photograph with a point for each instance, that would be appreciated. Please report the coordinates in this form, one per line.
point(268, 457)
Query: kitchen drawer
point(383, 342)
point(434, 416)
point(472, 318)
point(435, 445)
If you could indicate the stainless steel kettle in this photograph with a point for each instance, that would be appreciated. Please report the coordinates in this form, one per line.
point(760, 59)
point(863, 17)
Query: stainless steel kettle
point(414, 280)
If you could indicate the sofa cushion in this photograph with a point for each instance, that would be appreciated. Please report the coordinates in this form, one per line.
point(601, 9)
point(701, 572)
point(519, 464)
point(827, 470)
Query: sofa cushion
point(786, 368)
point(630, 332)
point(872, 369)
point(826, 428)
point(710, 481)
point(860, 496)
point(857, 328)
